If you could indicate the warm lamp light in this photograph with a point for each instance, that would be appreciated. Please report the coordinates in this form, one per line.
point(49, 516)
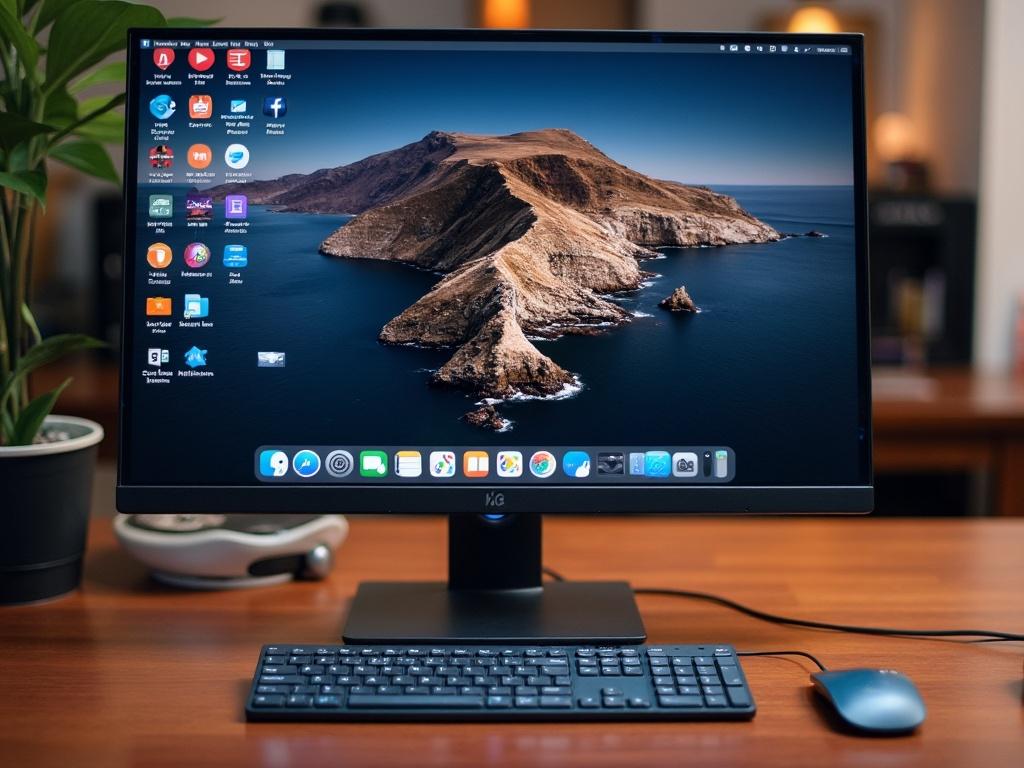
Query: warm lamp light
point(506, 14)
point(813, 19)
point(895, 137)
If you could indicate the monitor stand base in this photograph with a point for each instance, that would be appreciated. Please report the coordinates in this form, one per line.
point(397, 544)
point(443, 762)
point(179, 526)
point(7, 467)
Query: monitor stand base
point(494, 594)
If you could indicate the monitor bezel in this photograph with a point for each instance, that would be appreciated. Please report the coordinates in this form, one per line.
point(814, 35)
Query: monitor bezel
point(547, 499)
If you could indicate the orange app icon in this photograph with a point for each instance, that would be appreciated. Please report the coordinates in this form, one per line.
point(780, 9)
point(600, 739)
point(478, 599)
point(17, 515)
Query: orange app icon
point(200, 156)
point(158, 306)
point(200, 107)
point(159, 255)
point(475, 463)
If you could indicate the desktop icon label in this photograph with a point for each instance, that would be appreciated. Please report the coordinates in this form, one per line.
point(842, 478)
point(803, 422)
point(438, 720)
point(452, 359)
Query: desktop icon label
point(158, 255)
point(236, 206)
point(197, 255)
point(543, 464)
point(273, 463)
point(163, 58)
point(196, 306)
point(162, 107)
point(201, 59)
point(611, 463)
point(373, 464)
point(339, 463)
point(161, 206)
point(684, 464)
point(158, 306)
point(475, 464)
point(306, 463)
point(576, 464)
point(657, 464)
point(236, 156)
point(510, 464)
point(236, 256)
point(195, 357)
point(200, 156)
point(408, 464)
point(275, 107)
point(442, 464)
point(200, 107)
point(161, 156)
point(239, 59)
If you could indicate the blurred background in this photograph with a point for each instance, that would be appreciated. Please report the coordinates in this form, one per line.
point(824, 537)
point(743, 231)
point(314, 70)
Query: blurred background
point(945, 113)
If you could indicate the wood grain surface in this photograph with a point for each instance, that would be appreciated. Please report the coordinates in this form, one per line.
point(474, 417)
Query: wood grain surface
point(127, 672)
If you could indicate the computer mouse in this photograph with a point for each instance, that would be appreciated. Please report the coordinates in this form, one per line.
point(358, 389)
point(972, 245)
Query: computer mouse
point(879, 701)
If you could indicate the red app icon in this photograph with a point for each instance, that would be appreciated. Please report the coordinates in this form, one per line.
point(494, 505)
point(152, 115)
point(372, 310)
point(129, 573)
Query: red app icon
point(239, 59)
point(163, 57)
point(201, 59)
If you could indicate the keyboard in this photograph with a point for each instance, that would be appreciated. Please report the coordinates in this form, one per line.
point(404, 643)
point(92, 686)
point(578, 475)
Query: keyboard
point(487, 682)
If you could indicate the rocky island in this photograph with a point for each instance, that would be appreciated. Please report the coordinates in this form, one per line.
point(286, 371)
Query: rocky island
point(679, 301)
point(531, 231)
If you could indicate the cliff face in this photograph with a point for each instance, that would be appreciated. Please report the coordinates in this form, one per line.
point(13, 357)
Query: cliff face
point(529, 229)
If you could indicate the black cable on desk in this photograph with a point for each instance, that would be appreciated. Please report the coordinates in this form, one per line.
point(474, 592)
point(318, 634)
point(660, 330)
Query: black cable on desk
point(806, 655)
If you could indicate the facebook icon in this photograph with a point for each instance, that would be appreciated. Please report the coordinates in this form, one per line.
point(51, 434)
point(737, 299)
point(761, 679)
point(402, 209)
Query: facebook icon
point(275, 106)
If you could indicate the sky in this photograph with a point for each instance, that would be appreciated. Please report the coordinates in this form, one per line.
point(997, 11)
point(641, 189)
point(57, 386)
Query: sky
point(714, 119)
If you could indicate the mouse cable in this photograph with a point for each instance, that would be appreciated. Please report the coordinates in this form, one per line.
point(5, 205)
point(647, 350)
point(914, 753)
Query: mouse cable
point(992, 635)
point(806, 655)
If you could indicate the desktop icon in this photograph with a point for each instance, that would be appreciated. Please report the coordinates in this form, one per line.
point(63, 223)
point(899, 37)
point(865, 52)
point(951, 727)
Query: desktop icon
point(408, 464)
point(273, 463)
point(576, 464)
point(306, 463)
point(195, 357)
point(475, 464)
point(158, 255)
point(196, 306)
point(636, 464)
point(236, 256)
point(161, 156)
point(373, 464)
point(162, 106)
point(611, 463)
point(200, 107)
point(161, 206)
point(510, 464)
point(442, 464)
point(270, 359)
point(200, 156)
point(275, 59)
point(657, 464)
point(198, 207)
point(238, 106)
point(163, 58)
point(275, 106)
point(721, 464)
point(239, 59)
point(201, 59)
point(339, 463)
point(156, 356)
point(197, 255)
point(158, 306)
point(236, 156)
point(684, 464)
point(543, 464)
point(236, 207)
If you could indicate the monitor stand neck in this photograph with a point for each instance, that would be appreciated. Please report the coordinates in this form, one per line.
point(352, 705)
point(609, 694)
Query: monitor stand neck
point(494, 594)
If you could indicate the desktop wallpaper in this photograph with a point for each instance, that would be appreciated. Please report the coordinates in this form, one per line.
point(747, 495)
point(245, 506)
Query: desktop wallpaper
point(496, 249)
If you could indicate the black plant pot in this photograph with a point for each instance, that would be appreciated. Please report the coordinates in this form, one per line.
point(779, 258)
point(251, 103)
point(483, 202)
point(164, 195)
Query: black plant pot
point(45, 495)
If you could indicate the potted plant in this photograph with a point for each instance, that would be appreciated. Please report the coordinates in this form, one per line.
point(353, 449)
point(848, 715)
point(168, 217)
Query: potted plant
point(54, 53)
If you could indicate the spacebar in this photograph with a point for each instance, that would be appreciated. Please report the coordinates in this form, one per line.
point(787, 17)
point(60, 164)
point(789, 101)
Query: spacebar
point(415, 702)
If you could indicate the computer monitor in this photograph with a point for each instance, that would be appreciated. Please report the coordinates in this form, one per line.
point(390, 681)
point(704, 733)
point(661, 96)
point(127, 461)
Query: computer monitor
point(494, 274)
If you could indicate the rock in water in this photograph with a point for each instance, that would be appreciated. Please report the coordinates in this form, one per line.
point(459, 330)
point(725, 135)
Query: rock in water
point(486, 418)
point(679, 301)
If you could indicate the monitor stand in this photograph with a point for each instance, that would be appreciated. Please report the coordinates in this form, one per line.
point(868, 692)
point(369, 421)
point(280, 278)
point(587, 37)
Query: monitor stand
point(494, 594)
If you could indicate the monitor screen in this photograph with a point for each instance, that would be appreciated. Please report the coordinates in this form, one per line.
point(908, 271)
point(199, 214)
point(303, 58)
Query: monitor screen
point(496, 261)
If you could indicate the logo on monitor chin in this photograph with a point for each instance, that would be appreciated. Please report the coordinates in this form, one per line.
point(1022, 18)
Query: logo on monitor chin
point(494, 499)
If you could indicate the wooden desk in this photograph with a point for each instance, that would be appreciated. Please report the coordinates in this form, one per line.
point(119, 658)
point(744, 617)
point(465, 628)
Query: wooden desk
point(110, 676)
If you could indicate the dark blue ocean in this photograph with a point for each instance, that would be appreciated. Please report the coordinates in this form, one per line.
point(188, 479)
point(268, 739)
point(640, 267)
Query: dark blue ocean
point(767, 368)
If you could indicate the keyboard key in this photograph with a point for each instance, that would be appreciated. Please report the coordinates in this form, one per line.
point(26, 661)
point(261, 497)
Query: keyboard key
point(415, 702)
point(272, 689)
point(715, 701)
point(732, 676)
point(739, 697)
point(526, 702)
point(680, 701)
point(327, 701)
point(260, 700)
point(556, 690)
point(638, 702)
point(499, 702)
point(589, 702)
point(300, 701)
point(556, 702)
point(613, 702)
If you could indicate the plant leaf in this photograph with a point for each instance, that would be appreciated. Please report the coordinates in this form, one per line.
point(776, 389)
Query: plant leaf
point(87, 156)
point(61, 109)
point(114, 72)
point(15, 129)
point(107, 128)
point(31, 183)
point(27, 425)
point(14, 32)
point(47, 351)
point(88, 31)
point(50, 10)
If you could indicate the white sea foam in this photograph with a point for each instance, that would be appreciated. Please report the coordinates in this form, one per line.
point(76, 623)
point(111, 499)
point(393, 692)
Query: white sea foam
point(638, 313)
